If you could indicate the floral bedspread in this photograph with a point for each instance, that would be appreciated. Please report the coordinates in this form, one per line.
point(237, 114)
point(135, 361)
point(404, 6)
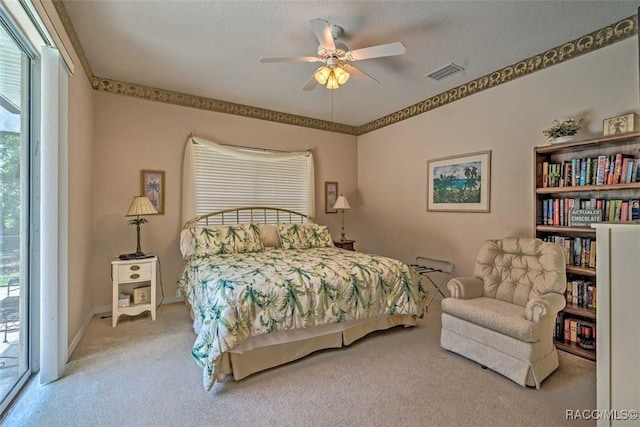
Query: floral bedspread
point(234, 296)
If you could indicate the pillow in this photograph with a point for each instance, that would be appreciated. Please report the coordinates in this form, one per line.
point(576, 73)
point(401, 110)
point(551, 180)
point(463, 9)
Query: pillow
point(292, 236)
point(318, 236)
point(221, 239)
point(304, 236)
point(269, 236)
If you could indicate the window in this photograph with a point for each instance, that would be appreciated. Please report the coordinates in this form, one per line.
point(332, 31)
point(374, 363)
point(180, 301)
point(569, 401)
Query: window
point(230, 177)
point(14, 213)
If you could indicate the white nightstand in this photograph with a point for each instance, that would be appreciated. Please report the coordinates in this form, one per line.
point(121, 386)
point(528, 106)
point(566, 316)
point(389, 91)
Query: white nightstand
point(128, 275)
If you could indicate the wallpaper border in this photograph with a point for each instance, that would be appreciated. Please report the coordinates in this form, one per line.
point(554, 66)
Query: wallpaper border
point(598, 39)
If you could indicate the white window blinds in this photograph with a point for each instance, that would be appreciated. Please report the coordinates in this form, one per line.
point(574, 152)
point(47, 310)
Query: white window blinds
point(229, 177)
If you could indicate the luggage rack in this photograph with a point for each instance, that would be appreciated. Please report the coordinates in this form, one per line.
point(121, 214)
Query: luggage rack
point(428, 267)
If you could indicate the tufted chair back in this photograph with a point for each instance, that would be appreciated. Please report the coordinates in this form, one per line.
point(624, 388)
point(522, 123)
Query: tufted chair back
point(516, 269)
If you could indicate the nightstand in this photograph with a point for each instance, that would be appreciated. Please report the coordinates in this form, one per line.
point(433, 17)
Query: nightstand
point(134, 276)
point(345, 244)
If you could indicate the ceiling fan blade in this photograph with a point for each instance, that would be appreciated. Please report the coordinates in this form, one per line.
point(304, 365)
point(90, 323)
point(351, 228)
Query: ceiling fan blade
point(290, 59)
point(311, 83)
point(390, 49)
point(322, 31)
point(356, 71)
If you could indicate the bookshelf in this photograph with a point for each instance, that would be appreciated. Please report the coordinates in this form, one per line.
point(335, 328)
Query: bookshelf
point(558, 189)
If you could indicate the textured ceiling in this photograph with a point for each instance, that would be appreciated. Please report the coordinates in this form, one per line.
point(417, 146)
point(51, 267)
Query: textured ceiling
point(212, 48)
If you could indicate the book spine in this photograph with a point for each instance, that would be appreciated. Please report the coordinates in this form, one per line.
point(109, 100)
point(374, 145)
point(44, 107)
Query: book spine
point(545, 174)
point(592, 255)
point(635, 209)
point(583, 172)
point(629, 169)
point(602, 160)
point(612, 166)
point(623, 170)
point(588, 167)
point(617, 169)
point(577, 250)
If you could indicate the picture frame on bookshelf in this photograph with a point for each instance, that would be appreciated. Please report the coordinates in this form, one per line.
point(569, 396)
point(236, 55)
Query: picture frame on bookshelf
point(460, 183)
point(618, 125)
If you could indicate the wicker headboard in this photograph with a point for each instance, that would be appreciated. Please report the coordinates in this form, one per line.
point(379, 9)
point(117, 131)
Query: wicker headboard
point(246, 215)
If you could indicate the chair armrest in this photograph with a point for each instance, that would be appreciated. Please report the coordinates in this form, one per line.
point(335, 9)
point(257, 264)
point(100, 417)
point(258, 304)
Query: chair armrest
point(544, 305)
point(465, 287)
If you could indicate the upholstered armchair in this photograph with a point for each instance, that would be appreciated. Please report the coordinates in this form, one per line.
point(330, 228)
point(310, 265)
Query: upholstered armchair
point(503, 317)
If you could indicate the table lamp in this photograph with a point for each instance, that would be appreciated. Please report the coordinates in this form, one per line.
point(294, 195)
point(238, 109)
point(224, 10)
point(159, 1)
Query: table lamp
point(342, 204)
point(140, 205)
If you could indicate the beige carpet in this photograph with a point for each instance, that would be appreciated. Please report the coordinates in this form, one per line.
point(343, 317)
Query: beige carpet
point(141, 374)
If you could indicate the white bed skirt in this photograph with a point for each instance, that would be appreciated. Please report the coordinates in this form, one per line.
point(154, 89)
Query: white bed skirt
point(270, 350)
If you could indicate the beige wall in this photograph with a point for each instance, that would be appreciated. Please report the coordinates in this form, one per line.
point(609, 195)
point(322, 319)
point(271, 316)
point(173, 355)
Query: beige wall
point(133, 134)
point(80, 201)
point(390, 214)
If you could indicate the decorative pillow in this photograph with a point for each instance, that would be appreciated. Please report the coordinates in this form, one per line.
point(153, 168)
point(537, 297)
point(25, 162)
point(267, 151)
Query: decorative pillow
point(269, 236)
point(318, 236)
point(304, 236)
point(292, 236)
point(221, 239)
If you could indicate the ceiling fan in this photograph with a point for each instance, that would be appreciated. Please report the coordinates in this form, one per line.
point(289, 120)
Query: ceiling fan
point(336, 57)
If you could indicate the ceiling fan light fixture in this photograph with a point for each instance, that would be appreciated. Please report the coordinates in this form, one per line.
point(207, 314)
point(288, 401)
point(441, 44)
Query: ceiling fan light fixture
point(332, 83)
point(322, 75)
point(341, 75)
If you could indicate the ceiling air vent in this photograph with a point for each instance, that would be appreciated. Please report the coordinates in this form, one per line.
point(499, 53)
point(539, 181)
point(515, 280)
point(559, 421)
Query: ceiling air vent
point(445, 71)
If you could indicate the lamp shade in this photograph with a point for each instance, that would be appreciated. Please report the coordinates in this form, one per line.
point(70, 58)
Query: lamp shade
point(322, 75)
point(341, 75)
point(141, 205)
point(341, 203)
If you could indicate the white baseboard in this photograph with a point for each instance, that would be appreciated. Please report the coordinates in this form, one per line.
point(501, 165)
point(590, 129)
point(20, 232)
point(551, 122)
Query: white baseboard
point(85, 325)
point(100, 310)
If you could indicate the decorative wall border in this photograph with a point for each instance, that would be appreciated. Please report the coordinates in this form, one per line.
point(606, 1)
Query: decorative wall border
point(606, 36)
point(598, 39)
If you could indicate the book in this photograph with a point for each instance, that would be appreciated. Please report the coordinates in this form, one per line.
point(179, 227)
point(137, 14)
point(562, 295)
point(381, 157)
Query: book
point(592, 255)
point(600, 178)
point(585, 334)
point(612, 165)
point(583, 172)
point(623, 170)
point(634, 206)
point(629, 170)
point(568, 249)
point(569, 292)
point(591, 295)
point(545, 174)
point(573, 330)
point(577, 250)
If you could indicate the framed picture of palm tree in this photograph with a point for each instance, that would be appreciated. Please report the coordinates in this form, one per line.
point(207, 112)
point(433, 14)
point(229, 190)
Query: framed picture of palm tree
point(460, 183)
point(152, 186)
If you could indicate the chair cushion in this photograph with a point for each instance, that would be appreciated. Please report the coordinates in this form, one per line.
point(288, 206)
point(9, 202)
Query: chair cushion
point(500, 316)
point(518, 269)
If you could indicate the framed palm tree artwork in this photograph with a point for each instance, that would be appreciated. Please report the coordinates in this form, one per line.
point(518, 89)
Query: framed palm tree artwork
point(152, 183)
point(460, 183)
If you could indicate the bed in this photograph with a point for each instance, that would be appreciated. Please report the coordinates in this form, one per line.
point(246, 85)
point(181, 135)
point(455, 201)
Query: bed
point(267, 286)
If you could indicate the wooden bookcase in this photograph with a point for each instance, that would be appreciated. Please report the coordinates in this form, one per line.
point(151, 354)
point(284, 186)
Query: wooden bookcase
point(627, 144)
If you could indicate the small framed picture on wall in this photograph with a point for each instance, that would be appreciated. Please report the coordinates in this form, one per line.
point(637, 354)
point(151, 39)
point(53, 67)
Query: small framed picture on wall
point(330, 196)
point(152, 183)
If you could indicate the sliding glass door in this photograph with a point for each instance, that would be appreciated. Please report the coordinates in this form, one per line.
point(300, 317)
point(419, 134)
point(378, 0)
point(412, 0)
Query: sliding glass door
point(14, 215)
